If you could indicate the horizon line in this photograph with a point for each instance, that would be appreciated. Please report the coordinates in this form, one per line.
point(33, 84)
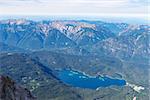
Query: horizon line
point(85, 14)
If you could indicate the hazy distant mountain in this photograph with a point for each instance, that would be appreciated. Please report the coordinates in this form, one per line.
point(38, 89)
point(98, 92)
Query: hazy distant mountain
point(51, 34)
point(70, 35)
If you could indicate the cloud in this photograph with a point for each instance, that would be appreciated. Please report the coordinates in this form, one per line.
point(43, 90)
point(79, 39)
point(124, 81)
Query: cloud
point(75, 7)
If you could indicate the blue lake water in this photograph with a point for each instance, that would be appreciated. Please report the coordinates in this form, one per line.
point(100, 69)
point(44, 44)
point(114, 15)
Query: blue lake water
point(78, 79)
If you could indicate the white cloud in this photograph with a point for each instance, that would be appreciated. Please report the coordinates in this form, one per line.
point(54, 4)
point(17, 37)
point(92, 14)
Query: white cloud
point(75, 7)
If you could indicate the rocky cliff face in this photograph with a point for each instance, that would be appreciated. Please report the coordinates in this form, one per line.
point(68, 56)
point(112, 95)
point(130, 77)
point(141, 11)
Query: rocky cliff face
point(9, 90)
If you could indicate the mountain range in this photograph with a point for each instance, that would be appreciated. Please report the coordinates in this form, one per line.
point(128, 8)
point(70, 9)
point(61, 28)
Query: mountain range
point(119, 39)
point(32, 53)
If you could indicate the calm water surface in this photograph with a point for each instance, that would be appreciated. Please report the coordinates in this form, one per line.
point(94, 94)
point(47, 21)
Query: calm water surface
point(78, 79)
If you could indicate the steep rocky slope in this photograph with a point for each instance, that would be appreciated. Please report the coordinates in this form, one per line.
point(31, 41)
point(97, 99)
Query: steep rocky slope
point(9, 90)
point(132, 43)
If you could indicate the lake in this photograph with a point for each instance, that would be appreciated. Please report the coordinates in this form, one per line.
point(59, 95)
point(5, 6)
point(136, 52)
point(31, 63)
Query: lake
point(78, 79)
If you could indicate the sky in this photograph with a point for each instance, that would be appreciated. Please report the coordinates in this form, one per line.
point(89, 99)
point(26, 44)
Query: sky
point(129, 8)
